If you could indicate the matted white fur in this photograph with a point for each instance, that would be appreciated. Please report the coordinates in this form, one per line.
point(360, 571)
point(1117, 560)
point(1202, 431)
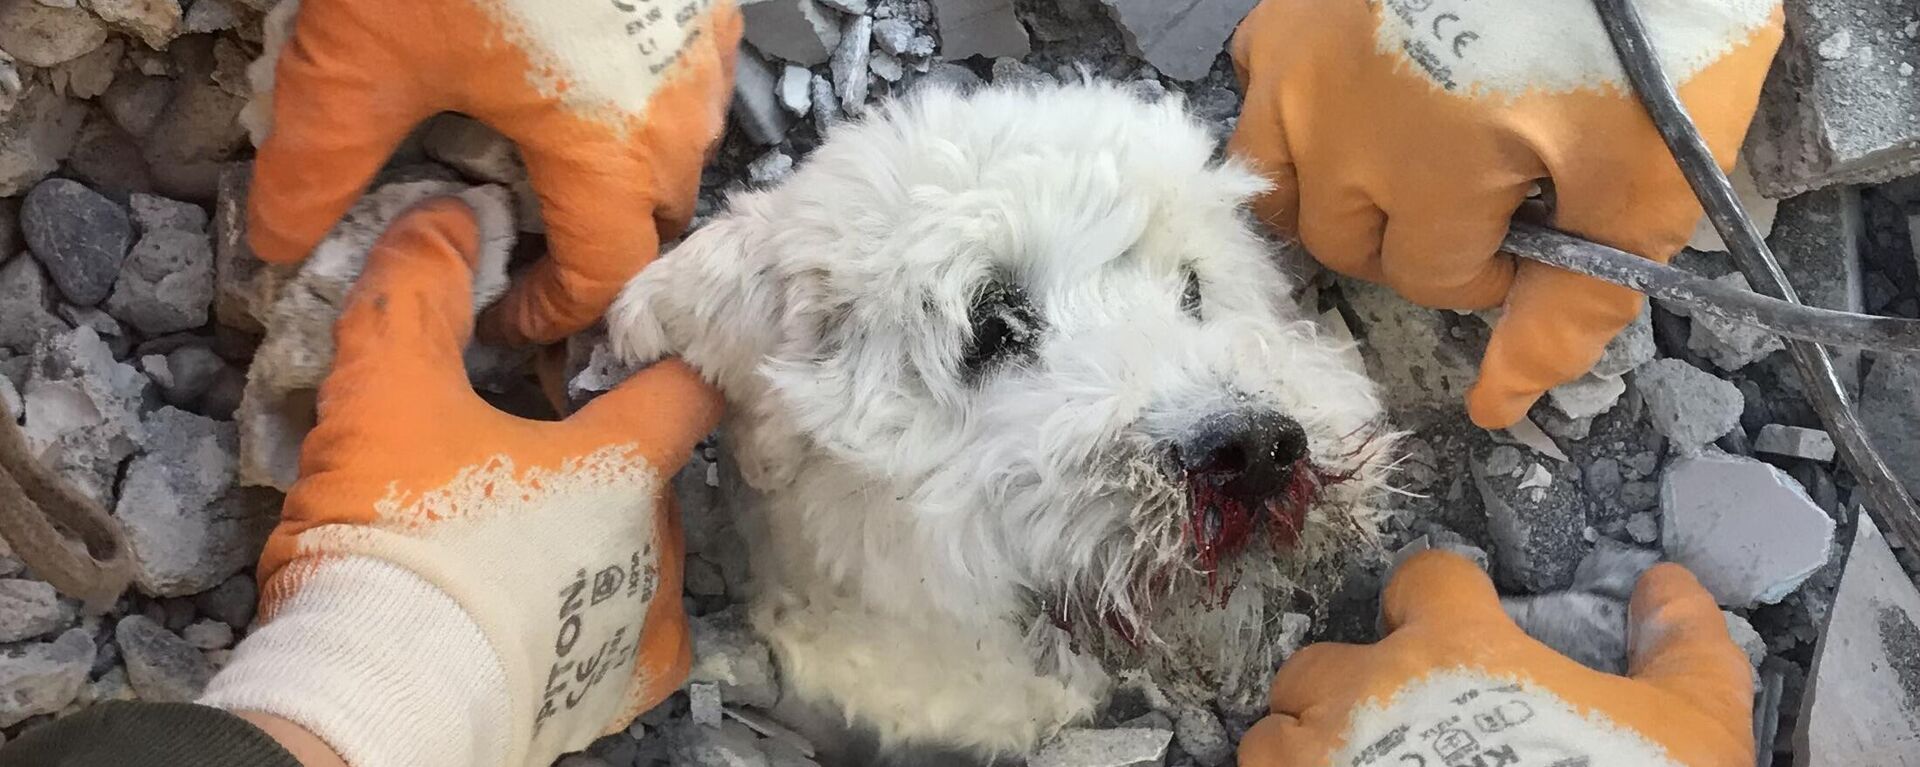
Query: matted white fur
point(936, 549)
point(1495, 47)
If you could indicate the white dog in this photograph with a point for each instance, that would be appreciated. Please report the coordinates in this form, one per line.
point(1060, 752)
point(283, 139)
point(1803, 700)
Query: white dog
point(1029, 406)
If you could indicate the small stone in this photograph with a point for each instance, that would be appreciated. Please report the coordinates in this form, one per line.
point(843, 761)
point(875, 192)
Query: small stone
point(80, 237)
point(1750, 642)
point(166, 284)
point(1794, 442)
point(796, 90)
point(209, 16)
point(854, 7)
point(90, 75)
point(1613, 568)
point(1644, 527)
point(1688, 405)
point(826, 105)
point(950, 76)
point(244, 286)
point(208, 635)
point(188, 527)
point(82, 410)
point(196, 136)
point(1012, 72)
point(477, 151)
point(153, 213)
point(894, 36)
point(1639, 496)
point(192, 371)
point(1862, 699)
point(35, 135)
point(37, 679)
point(1731, 345)
point(30, 609)
point(1603, 478)
point(1588, 395)
point(1536, 476)
point(156, 22)
point(704, 578)
point(40, 35)
point(1536, 526)
point(800, 31)
point(886, 67)
point(851, 75)
point(111, 686)
point(1103, 748)
point(1746, 529)
point(1201, 735)
point(1502, 460)
point(1836, 45)
point(161, 666)
point(728, 653)
point(980, 28)
point(134, 102)
point(231, 602)
point(1182, 40)
point(25, 295)
point(756, 107)
point(703, 699)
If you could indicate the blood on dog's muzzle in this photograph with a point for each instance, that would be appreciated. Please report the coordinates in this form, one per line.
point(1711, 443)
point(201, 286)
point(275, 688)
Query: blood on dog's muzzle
point(1243, 468)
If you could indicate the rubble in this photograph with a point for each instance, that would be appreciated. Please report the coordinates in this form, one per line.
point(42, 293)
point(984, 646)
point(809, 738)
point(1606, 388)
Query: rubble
point(1182, 40)
point(166, 283)
point(187, 524)
point(43, 678)
point(231, 602)
point(35, 135)
point(894, 36)
point(208, 634)
point(800, 31)
point(796, 90)
point(1728, 344)
point(82, 410)
point(726, 652)
point(1589, 628)
point(1836, 108)
point(980, 28)
point(1587, 396)
point(1422, 368)
point(161, 667)
point(1536, 521)
point(756, 107)
point(851, 75)
point(1201, 735)
point(1794, 442)
point(155, 22)
point(79, 237)
point(703, 698)
point(1746, 529)
point(25, 294)
point(196, 134)
point(1686, 404)
point(45, 34)
point(731, 744)
point(30, 609)
point(1890, 409)
point(1862, 702)
point(244, 286)
point(188, 373)
point(1103, 748)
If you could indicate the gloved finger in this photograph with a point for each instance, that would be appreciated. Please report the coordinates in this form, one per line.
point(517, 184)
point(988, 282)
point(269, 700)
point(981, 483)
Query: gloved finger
point(665, 409)
point(1308, 681)
point(343, 100)
point(1451, 259)
point(1677, 641)
point(1278, 740)
point(1555, 326)
point(1260, 140)
point(1442, 586)
point(1340, 226)
point(408, 318)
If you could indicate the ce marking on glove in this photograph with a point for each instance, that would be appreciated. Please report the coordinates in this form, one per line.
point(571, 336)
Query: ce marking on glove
point(661, 25)
point(1428, 27)
point(579, 666)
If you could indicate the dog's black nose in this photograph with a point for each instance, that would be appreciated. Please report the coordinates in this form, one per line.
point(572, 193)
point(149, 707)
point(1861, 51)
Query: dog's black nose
point(1251, 454)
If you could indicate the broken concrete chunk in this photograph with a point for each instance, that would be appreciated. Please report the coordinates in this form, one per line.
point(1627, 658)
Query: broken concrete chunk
point(1749, 640)
point(1182, 40)
point(30, 609)
point(209, 16)
point(42, 35)
point(1588, 395)
point(156, 22)
point(1728, 344)
point(194, 138)
point(244, 286)
point(36, 135)
point(1688, 405)
point(1423, 369)
point(25, 295)
point(191, 372)
point(1862, 703)
point(1794, 442)
point(851, 76)
point(731, 744)
point(152, 213)
point(703, 700)
point(188, 528)
point(1890, 408)
point(726, 652)
point(232, 602)
point(800, 31)
point(1103, 748)
point(82, 410)
point(207, 634)
point(1201, 735)
point(796, 90)
point(80, 237)
point(90, 75)
point(166, 284)
point(1536, 524)
point(770, 168)
point(1612, 569)
point(980, 28)
point(895, 36)
point(756, 106)
point(161, 666)
point(43, 678)
point(1746, 529)
point(1589, 628)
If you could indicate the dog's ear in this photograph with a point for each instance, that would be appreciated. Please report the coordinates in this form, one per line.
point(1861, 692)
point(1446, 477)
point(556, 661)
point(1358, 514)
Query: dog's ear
point(717, 301)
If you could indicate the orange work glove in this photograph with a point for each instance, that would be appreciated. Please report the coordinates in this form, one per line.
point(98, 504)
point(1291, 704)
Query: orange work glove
point(1456, 684)
point(450, 585)
point(1402, 135)
point(613, 103)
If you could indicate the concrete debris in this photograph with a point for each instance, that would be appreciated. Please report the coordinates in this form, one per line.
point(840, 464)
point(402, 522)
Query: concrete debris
point(1612, 569)
point(1103, 748)
point(191, 371)
point(1688, 405)
point(1729, 345)
point(188, 527)
point(851, 75)
point(852, 7)
point(731, 744)
point(1746, 529)
point(208, 635)
point(209, 16)
point(196, 135)
point(90, 75)
point(895, 36)
point(155, 22)
point(161, 666)
point(1011, 72)
point(796, 90)
point(1750, 642)
point(477, 151)
point(726, 652)
point(826, 105)
point(1836, 108)
point(82, 410)
point(1794, 442)
point(950, 76)
point(596, 367)
point(1588, 395)
point(1422, 368)
point(980, 28)
point(244, 286)
point(1201, 735)
point(1760, 208)
point(771, 168)
point(800, 31)
point(30, 609)
point(1890, 408)
point(166, 284)
point(1643, 526)
point(42, 35)
point(80, 237)
point(1182, 40)
point(232, 602)
point(36, 135)
point(1862, 702)
point(1536, 526)
point(153, 213)
point(1817, 237)
point(756, 107)
point(703, 699)
point(25, 294)
point(43, 678)
point(1589, 628)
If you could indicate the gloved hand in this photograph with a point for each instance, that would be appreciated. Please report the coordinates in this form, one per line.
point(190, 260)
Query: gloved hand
point(1456, 683)
point(451, 585)
point(1402, 135)
point(614, 106)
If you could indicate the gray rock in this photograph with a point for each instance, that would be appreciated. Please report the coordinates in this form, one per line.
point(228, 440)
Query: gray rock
point(90, 75)
point(980, 28)
point(1688, 405)
point(1201, 735)
point(854, 7)
point(1537, 528)
point(796, 90)
point(771, 168)
point(1588, 395)
point(800, 31)
point(135, 102)
point(1836, 108)
point(209, 16)
point(1182, 40)
point(756, 106)
point(43, 678)
point(231, 602)
point(851, 77)
point(30, 609)
point(730, 745)
point(1742, 633)
point(1794, 442)
point(1639, 496)
point(244, 286)
point(826, 105)
point(1423, 368)
point(1746, 529)
point(1727, 344)
point(156, 22)
point(1817, 239)
point(42, 35)
point(83, 410)
point(1612, 569)
point(153, 213)
point(1862, 699)
point(1012, 72)
point(1644, 527)
point(703, 703)
point(477, 151)
point(950, 76)
point(1103, 748)
point(36, 135)
point(1890, 408)
point(161, 666)
point(166, 285)
point(79, 236)
point(1589, 628)
point(119, 341)
point(895, 36)
point(25, 295)
point(1630, 349)
point(886, 67)
point(208, 634)
point(726, 652)
point(196, 136)
point(192, 370)
point(188, 526)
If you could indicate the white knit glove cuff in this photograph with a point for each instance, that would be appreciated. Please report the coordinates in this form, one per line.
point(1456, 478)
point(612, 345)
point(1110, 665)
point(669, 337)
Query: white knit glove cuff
point(385, 668)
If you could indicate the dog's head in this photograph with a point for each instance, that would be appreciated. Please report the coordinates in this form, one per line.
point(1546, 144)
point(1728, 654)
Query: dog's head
point(1041, 322)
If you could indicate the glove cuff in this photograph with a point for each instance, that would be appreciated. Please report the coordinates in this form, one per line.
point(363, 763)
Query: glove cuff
point(385, 668)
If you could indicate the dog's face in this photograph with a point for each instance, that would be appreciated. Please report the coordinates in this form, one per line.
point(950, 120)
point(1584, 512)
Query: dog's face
point(1039, 327)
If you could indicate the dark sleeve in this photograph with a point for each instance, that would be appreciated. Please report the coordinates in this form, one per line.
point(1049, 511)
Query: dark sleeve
point(121, 734)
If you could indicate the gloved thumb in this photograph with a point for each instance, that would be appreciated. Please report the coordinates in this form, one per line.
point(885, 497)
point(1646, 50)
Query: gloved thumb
point(1677, 641)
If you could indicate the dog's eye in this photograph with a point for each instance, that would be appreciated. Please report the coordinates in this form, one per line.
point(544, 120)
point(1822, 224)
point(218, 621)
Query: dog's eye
point(1004, 328)
point(1190, 299)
